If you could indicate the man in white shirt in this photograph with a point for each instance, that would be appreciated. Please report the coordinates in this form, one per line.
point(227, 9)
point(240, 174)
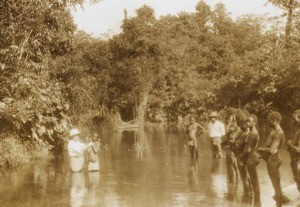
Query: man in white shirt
point(216, 131)
point(76, 150)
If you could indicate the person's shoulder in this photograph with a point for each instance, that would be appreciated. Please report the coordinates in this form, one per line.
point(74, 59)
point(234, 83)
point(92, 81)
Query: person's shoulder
point(279, 133)
point(219, 123)
point(71, 143)
point(254, 131)
point(253, 134)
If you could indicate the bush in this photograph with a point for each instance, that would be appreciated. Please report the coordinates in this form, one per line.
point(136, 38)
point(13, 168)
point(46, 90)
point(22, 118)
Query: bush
point(13, 152)
point(39, 151)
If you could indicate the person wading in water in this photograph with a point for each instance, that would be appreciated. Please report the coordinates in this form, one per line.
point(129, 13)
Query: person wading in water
point(239, 147)
point(270, 153)
point(227, 144)
point(250, 159)
point(76, 150)
point(216, 131)
point(294, 149)
point(192, 131)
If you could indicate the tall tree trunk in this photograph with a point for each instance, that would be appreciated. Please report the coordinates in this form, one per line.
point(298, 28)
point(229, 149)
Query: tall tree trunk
point(142, 107)
point(289, 23)
point(134, 108)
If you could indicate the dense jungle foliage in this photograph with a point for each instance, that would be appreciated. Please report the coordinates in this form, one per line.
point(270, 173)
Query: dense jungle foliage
point(54, 77)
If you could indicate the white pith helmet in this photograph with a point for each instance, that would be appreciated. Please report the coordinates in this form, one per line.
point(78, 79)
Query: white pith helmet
point(74, 132)
point(213, 114)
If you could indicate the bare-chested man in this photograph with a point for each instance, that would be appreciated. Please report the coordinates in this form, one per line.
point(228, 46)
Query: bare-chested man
point(250, 158)
point(294, 149)
point(240, 141)
point(270, 153)
point(192, 131)
point(232, 129)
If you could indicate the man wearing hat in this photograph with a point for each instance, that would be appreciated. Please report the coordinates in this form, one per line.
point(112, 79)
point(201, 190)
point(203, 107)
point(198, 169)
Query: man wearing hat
point(76, 151)
point(216, 131)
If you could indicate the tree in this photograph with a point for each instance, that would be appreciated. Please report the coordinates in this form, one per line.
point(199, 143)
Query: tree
point(291, 10)
point(136, 58)
point(84, 75)
point(33, 33)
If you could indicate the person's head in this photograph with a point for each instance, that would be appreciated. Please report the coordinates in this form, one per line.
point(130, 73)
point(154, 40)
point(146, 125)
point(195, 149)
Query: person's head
point(274, 117)
point(230, 114)
point(74, 134)
point(241, 118)
point(192, 120)
point(213, 116)
point(296, 118)
point(251, 120)
point(95, 137)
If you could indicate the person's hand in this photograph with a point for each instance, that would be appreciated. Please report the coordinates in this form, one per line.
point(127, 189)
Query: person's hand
point(90, 144)
point(243, 163)
point(231, 141)
point(289, 145)
point(214, 142)
point(258, 154)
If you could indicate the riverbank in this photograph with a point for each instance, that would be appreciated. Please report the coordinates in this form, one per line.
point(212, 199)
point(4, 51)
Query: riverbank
point(15, 153)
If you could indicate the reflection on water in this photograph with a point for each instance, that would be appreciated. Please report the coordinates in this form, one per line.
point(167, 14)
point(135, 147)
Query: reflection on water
point(78, 189)
point(219, 179)
point(150, 167)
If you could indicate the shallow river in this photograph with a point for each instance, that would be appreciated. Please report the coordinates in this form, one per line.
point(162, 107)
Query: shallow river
point(146, 168)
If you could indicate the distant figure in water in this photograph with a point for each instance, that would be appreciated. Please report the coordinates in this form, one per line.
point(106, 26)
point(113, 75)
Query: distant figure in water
point(294, 149)
point(92, 154)
point(270, 153)
point(215, 130)
point(192, 131)
point(76, 150)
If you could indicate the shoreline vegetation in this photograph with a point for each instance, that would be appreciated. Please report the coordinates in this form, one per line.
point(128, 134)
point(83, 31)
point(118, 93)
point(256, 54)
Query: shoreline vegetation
point(54, 77)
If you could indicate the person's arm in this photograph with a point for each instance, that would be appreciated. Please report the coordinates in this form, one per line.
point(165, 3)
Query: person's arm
point(88, 145)
point(250, 145)
point(187, 129)
point(295, 147)
point(96, 146)
point(76, 148)
point(200, 126)
point(222, 129)
point(208, 128)
point(274, 145)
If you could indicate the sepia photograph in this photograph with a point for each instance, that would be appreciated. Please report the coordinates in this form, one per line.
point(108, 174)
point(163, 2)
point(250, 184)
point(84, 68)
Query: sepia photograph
point(149, 103)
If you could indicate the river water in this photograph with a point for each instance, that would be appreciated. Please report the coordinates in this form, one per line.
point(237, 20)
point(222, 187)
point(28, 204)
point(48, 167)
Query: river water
point(150, 167)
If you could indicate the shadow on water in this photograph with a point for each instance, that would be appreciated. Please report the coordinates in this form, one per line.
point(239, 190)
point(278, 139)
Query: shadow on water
point(144, 167)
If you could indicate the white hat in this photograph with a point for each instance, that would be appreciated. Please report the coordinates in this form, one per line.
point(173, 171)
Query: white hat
point(74, 132)
point(213, 114)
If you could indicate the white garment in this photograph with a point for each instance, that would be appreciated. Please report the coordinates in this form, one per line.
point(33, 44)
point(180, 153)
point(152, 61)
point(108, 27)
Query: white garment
point(94, 166)
point(216, 129)
point(76, 148)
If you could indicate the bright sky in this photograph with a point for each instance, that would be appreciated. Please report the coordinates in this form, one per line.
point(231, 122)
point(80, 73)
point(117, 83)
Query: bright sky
point(107, 15)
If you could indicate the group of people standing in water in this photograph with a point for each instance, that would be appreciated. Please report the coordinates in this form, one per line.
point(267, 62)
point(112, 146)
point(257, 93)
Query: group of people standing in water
point(239, 141)
point(83, 154)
